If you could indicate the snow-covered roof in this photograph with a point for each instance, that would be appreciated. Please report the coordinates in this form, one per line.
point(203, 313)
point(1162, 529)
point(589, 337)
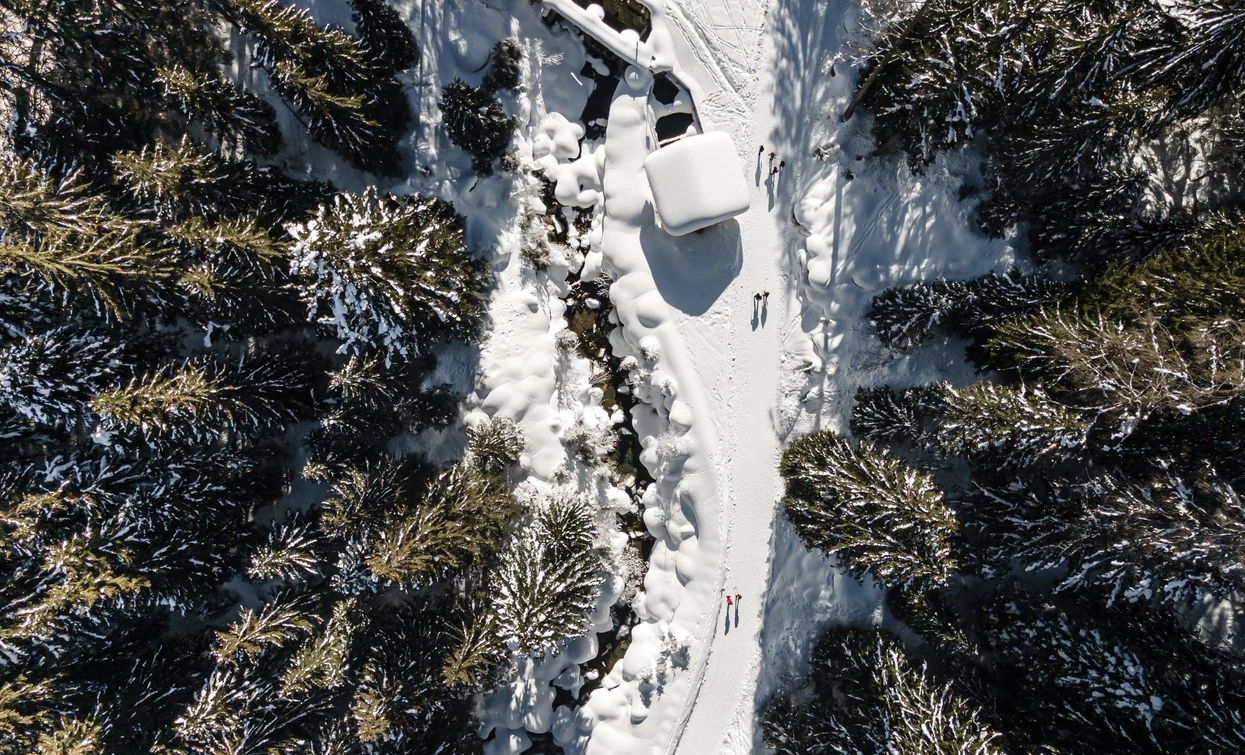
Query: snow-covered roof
point(696, 182)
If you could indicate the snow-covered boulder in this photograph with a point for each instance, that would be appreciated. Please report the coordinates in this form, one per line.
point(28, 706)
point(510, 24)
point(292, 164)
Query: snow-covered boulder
point(696, 182)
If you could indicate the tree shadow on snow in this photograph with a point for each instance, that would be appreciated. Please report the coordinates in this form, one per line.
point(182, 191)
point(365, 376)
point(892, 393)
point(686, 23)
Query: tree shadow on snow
point(692, 271)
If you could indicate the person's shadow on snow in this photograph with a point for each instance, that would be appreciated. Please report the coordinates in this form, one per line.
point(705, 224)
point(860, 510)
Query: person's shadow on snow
point(764, 317)
point(737, 614)
point(728, 620)
point(756, 317)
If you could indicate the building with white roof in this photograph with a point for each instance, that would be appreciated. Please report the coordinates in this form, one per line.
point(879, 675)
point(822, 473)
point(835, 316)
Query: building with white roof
point(696, 182)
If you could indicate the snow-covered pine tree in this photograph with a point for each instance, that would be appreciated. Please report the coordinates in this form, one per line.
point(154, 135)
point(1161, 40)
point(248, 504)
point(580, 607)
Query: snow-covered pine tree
point(97, 537)
point(841, 713)
point(1079, 223)
point(386, 38)
point(59, 235)
point(1119, 540)
point(388, 274)
point(495, 446)
point(884, 415)
point(324, 660)
point(541, 600)
point(295, 550)
point(172, 182)
point(476, 646)
point(1204, 281)
point(236, 711)
point(231, 281)
point(457, 521)
point(50, 377)
point(208, 397)
point(475, 121)
point(1206, 62)
point(872, 510)
point(238, 117)
point(996, 297)
point(507, 71)
point(1126, 372)
point(907, 316)
point(868, 697)
point(1008, 427)
point(1105, 681)
point(350, 106)
point(279, 623)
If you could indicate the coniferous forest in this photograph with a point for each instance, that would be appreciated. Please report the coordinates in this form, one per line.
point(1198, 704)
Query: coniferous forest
point(1047, 536)
point(185, 335)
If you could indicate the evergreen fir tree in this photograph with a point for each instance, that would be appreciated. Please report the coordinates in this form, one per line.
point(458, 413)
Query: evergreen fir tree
point(885, 415)
point(457, 520)
point(273, 626)
point(1127, 371)
point(1013, 427)
point(548, 580)
point(476, 122)
point(905, 317)
point(237, 116)
point(50, 377)
point(1118, 540)
point(172, 182)
point(385, 36)
point(206, 396)
point(350, 107)
point(495, 446)
point(323, 662)
point(57, 234)
point(294, 551)
point(506, 72)
point(388, 274)
point(869, 698)
point(1109, 685)
point(870, 509)
point(1205, 64)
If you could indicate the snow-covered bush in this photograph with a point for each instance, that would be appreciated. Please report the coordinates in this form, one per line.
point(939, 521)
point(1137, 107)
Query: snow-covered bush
point(590, 441)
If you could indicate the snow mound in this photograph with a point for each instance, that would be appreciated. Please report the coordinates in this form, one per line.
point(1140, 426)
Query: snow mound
point(696, 182)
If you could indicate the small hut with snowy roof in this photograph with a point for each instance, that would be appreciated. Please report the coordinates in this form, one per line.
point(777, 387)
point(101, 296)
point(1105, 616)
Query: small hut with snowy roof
point(696, 182)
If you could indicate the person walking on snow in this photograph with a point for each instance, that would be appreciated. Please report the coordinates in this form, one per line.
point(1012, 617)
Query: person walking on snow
point(772, 154)
point(761, 149)
point(782, 164)
point(756, 297)
point(738, 597)
point(729, 602)
point(765, 296)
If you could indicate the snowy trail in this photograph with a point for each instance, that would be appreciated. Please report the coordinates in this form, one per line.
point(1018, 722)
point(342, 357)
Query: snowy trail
point(721, 713)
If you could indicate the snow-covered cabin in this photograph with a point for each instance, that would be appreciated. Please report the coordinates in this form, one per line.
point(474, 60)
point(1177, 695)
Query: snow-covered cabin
point(696, 181)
